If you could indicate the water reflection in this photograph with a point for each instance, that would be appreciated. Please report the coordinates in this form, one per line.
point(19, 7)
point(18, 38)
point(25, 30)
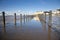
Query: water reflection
point(42, 19)
point(26, 18)
point(4, 34)
point(43, 23)
point(49, 26)
point(15, 26)
point(32, 29)
point(49, 33)
point(15, 18)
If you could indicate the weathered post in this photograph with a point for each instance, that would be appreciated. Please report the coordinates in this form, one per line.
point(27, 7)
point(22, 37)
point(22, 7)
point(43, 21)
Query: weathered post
point(20, 16)
point(21, 20)
point(24, 18)
point(50, 18)
point(3, 18)
point(45, 15)
point(3, 29)
point(15, 18)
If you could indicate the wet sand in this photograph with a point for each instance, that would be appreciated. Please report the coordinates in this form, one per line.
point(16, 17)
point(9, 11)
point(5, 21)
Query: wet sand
point(29, 29)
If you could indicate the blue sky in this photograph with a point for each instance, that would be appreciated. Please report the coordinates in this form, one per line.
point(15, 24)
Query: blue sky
point(28, 6)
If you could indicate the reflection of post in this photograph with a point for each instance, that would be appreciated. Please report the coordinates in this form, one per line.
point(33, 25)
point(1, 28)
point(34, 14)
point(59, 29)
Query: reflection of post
point(3, 33)
point(43, 25)
point(59, 21)
point(15, 27)
point(50, 18)
point(26, 18)
point(39, 16)
point(21, 19)
point(3, 19)
point(15, 18)
point(49, 33)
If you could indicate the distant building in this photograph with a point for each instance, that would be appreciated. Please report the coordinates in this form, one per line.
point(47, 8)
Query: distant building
point(38, 12)
point(54, 12)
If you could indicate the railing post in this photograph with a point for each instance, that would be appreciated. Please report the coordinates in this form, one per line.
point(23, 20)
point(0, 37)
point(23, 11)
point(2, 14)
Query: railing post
point(15, 18)
point(3, 13)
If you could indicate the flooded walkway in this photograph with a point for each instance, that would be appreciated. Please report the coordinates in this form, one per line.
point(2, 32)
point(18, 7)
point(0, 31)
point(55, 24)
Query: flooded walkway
point(28, 30)
point(40, 27)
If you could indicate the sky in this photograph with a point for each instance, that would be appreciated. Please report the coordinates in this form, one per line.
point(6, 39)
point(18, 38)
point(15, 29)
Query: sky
point(28, 6)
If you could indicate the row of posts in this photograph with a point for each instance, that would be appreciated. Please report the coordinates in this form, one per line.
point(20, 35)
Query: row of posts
point(3, 13)
point(50, 17)
point(24, 16)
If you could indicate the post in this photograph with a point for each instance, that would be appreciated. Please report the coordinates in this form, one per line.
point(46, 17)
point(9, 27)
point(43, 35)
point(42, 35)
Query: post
point(21, 20)
point(24, 18)
point(3, 18)
point(45, 15)
point(20, 16)
point(50, 18)
point(15, 18)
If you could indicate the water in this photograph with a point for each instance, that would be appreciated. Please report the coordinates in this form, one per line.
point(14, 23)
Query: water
point(29, 29)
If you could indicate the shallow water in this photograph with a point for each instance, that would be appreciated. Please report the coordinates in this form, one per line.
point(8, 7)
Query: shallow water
point(28, 29)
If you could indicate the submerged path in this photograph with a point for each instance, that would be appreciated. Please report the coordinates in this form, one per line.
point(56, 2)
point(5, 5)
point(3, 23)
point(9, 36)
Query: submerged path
point(29, 29)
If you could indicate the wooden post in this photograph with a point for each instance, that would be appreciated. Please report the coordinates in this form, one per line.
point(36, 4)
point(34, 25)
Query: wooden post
point(45, 15)
point(15, 18)
point(20, 16)
point(50, 18)
point(24, 18)
point(3, 18)
point(21, 20)
point(50, 15)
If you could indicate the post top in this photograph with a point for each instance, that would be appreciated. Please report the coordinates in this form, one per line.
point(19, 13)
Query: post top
point(3, 12)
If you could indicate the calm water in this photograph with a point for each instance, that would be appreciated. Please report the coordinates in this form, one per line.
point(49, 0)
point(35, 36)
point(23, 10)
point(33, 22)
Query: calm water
point(30, 29)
